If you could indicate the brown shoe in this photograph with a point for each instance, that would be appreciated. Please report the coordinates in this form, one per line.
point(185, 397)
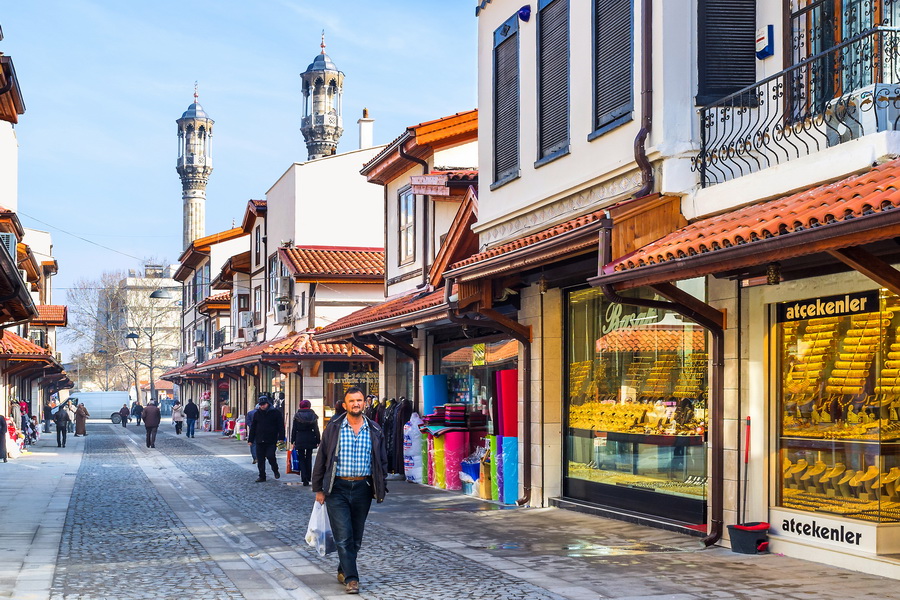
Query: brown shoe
point(340, 577)
point(352, 587)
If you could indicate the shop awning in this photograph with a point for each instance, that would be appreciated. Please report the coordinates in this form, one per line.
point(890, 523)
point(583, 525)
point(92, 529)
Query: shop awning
point(186, 371)
point(288, 349)
point(413, 308)
point(835, 219)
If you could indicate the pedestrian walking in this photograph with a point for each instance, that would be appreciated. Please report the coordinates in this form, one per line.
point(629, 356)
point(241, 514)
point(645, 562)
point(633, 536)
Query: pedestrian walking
point(68, 408)
point(4, 432)
point(351, 469)
point(124, 413)
point(81, 417)
point(24, 413)
point(48, 416)
point(248, 422)
point(266, 430)
point(191, 414)
point(62, 420)
point(152, 418)
point(137, 411)
point(178, 418)
point(305, 438)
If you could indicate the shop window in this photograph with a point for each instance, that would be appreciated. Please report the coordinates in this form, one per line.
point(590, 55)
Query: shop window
point(839, 406)
point(636, 408)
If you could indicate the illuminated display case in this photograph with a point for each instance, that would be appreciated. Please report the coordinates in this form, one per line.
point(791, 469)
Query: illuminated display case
point(839, 405)
point(636, 408)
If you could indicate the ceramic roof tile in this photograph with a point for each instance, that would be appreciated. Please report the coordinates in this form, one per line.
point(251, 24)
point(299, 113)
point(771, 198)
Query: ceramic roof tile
point(52, 314)
point(403, 305)
point(652, 340)
point(874, 191)
point(12, 345)
point(458, 174)
point(296, 346)
point(219, 298)
point(340, 261)
point(531, 239)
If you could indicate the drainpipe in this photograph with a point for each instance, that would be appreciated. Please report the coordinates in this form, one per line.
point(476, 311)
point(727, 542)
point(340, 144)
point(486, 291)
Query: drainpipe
point(425, 245)
point(485, 321)
point(640, 148)
point(716, 392)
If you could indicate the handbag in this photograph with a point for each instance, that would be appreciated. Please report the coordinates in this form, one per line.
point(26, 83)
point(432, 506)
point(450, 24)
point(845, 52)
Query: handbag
point(289, 463)
point(295, 461)
point(318, 534)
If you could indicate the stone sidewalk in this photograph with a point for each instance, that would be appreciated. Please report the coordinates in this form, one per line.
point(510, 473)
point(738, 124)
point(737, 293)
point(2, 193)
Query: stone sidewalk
point(108, 518)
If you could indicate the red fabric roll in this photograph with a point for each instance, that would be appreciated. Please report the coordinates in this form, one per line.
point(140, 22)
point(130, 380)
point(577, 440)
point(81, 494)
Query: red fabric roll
point(508, 393)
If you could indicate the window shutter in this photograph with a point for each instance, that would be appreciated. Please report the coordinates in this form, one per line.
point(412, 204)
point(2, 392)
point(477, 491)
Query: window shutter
point(613, 61)
point(506, 100)
point(726, 58)
point(553, 41)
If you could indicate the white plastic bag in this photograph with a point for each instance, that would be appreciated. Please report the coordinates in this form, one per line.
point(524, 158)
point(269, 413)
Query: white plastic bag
point(318, 534)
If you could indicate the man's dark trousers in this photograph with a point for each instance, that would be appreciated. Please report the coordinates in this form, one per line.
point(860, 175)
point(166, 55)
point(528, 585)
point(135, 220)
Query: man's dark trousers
point(151, 435)
point(266, 452)
point(60, 435)
point(348, 506)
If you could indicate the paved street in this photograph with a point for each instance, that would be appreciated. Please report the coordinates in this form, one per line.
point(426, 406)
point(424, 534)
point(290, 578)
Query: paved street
point(108, 518)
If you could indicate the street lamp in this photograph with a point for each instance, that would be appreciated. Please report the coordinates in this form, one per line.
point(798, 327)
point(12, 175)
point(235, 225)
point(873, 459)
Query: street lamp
point(137, 382)
point(105, 354)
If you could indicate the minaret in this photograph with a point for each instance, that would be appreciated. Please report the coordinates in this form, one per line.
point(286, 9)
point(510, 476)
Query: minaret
point(194, 166)
point(322, 125)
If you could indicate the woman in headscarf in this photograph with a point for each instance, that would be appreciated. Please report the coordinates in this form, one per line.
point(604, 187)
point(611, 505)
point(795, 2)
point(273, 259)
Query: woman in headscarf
point(81, 417)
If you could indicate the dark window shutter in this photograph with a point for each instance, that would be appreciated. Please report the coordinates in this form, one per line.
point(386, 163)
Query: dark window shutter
point(506, 100)
point(726, 59)
point(553, 102)
point(613, 60)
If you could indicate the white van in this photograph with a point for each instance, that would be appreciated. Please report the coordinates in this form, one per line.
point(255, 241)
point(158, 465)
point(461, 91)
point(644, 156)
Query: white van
point(102, 405)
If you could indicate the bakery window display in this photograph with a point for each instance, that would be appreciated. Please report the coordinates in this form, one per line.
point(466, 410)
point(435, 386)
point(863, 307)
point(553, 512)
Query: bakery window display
point(839, 398)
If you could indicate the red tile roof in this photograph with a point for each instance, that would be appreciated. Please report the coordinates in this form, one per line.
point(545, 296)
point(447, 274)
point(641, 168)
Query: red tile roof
point(52, 314)
point(294, 347)
point(870, 193)
point(187, 370)
point(458, 174)
point(388, 311)
point(533, 239)
point(219, 298)
point(14, 346)
point(334, 261)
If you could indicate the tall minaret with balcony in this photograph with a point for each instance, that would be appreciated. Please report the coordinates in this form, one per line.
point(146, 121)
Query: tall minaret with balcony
point(323, 86)
point(194, 166)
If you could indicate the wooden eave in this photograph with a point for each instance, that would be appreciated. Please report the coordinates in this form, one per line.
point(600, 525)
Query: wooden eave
point(50, 267)
point(449, 131)
point(253, 212)
point(9, 223)
point(11, 103)
point(213, 307)
point(27, 261)
point(190, 260)
point(461, 242)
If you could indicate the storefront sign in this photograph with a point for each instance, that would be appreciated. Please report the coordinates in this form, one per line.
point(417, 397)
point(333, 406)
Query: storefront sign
point(478, 355)
point(829, 306)
point(820, 530)
point(616, 320)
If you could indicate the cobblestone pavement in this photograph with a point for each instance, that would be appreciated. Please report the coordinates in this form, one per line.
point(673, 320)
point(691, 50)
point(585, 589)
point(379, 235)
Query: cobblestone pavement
point(188, 521)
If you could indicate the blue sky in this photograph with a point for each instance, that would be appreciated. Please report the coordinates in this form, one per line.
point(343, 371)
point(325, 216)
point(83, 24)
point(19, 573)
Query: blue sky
point(104, 81)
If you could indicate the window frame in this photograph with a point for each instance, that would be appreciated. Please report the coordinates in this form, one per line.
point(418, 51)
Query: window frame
point(624, 113)
point(502, 34)
point(542, 158)
point(404, 228)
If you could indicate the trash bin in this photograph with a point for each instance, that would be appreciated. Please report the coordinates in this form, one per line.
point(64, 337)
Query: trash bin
point(749, 538)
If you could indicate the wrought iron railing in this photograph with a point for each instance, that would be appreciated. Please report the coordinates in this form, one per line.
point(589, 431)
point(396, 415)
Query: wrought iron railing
point(841, 94)
point(222, 336)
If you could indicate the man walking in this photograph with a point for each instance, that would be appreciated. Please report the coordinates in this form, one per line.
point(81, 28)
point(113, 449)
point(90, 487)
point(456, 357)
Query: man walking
point(124, 413)
point(351, 469)
point(152, 418)
point(136, 411)
point(266, 430)
point(62, 426)
point(48, 416)
point(191, 414)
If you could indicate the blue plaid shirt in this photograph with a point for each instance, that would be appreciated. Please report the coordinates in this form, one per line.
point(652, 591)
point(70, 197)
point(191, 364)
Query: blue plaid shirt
point(354, 456)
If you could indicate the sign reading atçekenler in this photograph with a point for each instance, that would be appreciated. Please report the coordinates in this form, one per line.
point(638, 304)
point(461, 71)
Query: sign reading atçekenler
point(829, 306)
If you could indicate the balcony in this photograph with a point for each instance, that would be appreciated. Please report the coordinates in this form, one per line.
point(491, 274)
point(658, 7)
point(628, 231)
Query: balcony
point(222, 337)
point(844, 93)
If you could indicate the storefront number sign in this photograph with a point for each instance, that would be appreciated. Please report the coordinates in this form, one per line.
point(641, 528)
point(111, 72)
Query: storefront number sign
point(829, 306)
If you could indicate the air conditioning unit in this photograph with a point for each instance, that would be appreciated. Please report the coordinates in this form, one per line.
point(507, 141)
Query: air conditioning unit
point(283, 288)
point(245, 319)
point(199, 335)
point(8, 241)
point(864, 111)
point(282, 313)
point(251, 334)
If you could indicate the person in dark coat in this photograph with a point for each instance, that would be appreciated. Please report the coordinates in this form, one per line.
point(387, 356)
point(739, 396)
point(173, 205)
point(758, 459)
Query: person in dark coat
point(305, 438)
point(62, 420)
point(3, 434)
point(191, 414)
point(124, 413)
point(81, 417)
point(137, 410)
point(48, 416)
point(152, 418)
point(266, 430)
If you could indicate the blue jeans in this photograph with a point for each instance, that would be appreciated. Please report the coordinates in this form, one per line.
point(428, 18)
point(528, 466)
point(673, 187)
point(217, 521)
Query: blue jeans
point(190, 427)
point(348, 506)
